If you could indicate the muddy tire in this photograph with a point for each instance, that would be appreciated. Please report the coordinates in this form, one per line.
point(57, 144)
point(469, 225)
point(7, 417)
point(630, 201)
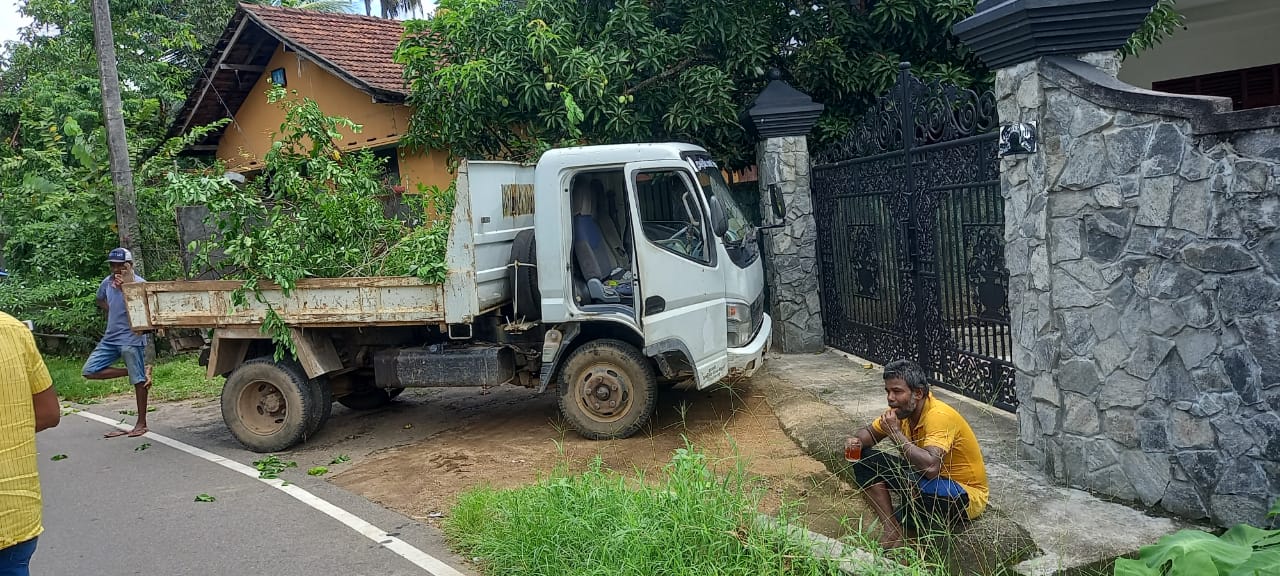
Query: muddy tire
point(270, 406)
point(608, 389)
point(366, 399)
point(524, 278)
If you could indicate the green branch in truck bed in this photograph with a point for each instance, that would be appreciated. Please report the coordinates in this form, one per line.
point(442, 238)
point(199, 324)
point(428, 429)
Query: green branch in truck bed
point(315, 211)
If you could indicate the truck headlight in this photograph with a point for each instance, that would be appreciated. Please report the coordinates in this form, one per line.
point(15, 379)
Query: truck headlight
point(740, 325)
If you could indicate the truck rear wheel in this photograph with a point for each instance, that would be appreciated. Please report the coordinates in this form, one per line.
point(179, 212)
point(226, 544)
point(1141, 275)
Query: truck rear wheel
point(607, 390)
point(270, 406)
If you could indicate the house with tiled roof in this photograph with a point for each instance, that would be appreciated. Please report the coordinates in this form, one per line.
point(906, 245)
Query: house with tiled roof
point(342, 61)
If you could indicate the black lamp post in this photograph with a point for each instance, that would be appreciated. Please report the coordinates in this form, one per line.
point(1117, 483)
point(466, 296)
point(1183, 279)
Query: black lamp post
point(781, 110)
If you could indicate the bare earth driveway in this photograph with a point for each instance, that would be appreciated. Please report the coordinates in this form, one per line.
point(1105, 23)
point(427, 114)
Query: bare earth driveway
point(418, 454)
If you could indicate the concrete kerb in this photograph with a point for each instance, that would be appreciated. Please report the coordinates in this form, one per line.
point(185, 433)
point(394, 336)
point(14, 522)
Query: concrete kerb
point(1031, 526)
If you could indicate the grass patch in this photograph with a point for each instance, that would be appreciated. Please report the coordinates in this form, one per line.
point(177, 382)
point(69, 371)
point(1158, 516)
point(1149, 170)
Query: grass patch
point(173, 378)
point(689, 522)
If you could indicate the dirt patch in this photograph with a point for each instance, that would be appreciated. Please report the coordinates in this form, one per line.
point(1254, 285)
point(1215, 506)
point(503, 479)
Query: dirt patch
point(514, 441)
point(418, 454)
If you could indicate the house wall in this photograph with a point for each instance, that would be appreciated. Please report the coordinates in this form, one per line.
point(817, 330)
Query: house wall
point(1221, 35)
point(247, 139)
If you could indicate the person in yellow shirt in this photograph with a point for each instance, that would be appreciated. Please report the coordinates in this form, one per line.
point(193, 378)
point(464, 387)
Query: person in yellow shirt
point(941, 477)
point(28, 404)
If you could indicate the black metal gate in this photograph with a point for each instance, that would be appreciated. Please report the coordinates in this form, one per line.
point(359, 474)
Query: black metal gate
point(911, 238)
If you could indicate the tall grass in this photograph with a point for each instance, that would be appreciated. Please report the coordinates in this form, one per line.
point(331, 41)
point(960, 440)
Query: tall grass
point(175, 378)
point(689, 522)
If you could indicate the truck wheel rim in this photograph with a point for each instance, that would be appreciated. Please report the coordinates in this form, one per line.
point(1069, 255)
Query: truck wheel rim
point(262, 408)
point(603, 393)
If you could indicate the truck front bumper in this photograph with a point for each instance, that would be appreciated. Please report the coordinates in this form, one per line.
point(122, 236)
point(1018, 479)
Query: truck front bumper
point(746, 360)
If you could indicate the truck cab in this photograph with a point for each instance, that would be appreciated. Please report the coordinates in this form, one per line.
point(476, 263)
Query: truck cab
point(656, 258)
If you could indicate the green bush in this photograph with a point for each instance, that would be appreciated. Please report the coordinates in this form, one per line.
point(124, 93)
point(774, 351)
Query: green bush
point(67, 306)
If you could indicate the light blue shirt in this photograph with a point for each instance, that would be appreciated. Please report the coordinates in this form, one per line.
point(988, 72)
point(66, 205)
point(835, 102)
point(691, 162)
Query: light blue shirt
point(118, 328)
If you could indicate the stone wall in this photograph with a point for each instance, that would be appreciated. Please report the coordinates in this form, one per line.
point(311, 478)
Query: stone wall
point(1144, 262)
point(790, 252)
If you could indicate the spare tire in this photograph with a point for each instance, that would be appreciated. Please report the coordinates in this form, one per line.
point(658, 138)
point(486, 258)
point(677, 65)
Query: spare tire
point(522, 277)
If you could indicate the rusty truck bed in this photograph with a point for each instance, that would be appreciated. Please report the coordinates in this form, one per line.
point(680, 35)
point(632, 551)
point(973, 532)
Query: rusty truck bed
point(314, 302)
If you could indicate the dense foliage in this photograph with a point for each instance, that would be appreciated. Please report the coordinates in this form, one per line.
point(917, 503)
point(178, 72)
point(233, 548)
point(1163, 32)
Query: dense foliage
point(509, 79)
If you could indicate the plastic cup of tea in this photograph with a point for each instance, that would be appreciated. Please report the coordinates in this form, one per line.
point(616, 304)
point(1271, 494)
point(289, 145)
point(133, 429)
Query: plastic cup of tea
point(853, 453)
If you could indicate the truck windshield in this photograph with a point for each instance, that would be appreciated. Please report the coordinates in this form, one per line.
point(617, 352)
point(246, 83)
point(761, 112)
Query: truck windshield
point(739, 239)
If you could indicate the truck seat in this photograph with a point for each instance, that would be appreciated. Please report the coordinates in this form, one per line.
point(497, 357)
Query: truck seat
point(605, 272)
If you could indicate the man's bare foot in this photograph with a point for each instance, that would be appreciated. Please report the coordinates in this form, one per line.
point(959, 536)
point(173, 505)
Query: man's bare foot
point(136, 432)
point(115, 433)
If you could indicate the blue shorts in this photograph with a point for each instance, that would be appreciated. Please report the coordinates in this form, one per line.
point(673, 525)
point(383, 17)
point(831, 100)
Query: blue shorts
point(106, 354)
point(16, 560)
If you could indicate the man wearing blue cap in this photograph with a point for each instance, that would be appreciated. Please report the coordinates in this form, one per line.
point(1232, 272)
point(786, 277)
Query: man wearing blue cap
point(121, 341)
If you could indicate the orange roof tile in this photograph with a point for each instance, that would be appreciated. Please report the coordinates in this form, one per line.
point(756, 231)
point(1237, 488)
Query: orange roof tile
point(358, 49)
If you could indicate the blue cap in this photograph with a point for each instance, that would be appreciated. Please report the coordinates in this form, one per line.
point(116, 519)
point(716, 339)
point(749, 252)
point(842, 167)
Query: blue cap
point(120, 255)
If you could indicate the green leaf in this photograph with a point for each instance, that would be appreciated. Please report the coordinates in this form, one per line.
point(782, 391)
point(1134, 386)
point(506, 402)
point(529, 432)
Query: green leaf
point(339, 459)
point(205, 498)
point(1264, 563)
point(57, 457)
point(142, 446)
point(1128, 567)
point(1194, 550)
point(318, 471)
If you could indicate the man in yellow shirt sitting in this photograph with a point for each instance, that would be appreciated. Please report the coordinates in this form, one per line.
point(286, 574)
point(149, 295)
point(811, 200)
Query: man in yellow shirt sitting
point(28, 404)
point(941, 477)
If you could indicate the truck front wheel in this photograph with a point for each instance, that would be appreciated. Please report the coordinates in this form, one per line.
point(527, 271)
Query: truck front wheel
point(270, 406)
point(608, 389)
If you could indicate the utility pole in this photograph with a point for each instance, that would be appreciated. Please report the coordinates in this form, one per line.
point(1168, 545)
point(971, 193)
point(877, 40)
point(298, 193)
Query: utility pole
point(117, 146)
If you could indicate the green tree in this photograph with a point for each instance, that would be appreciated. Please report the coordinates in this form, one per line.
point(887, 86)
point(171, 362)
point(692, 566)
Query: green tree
point(56, 213)
point(508, 78)
point(316, 5)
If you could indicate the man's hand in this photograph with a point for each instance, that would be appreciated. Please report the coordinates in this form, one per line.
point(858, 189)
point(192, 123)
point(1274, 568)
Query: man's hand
point(893, 426)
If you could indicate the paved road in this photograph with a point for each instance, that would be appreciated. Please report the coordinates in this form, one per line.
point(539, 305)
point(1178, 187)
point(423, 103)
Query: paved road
point(111, 510)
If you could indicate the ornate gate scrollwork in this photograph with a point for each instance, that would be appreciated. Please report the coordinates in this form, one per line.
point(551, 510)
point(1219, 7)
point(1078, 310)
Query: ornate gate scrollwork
point(910, 234)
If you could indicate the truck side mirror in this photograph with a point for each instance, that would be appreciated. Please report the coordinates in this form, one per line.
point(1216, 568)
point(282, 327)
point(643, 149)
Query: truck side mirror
point(775, 199)
point(719, 223)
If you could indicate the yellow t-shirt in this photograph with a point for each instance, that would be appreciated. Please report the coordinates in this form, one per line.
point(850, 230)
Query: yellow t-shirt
point(940, 425)
point(22, 375)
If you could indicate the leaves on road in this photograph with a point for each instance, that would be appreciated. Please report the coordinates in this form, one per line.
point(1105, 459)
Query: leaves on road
point(205, 498)
point(142, 446)
point(57, 457)
point(318, 471)
point(340, 459)
point(271, 466)
point(128, 412)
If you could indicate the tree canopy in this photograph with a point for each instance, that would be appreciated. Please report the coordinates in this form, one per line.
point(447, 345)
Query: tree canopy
point(510, 78)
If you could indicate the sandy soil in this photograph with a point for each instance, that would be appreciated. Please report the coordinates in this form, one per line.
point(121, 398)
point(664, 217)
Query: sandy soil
point(418, 454)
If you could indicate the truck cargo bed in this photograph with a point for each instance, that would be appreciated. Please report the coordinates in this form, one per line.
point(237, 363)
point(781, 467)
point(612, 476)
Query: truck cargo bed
point(314, 302)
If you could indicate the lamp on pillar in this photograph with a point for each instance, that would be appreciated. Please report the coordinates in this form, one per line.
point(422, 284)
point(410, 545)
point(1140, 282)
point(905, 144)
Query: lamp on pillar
point(781, 117)
point(781, 110)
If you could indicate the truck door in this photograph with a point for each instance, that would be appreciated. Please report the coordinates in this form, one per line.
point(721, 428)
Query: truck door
point(680, 288)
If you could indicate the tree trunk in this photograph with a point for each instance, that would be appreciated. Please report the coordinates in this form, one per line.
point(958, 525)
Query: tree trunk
point(368, 7)
point(117, 145)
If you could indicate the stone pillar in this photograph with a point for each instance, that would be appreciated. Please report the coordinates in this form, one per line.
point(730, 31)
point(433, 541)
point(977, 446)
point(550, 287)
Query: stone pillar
point(790, 251)
point(781, 116)
point(1142, 307)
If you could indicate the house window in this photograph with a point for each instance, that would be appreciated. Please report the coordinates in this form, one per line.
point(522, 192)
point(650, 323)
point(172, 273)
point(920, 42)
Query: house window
point(390, 166)
point(1247, 87)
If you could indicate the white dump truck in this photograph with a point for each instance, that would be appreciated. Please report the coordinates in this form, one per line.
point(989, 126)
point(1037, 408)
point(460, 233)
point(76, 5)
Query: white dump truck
point(604, 272)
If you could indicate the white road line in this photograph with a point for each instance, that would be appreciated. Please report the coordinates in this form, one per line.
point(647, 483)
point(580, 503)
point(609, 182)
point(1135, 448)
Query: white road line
point(421, 559)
